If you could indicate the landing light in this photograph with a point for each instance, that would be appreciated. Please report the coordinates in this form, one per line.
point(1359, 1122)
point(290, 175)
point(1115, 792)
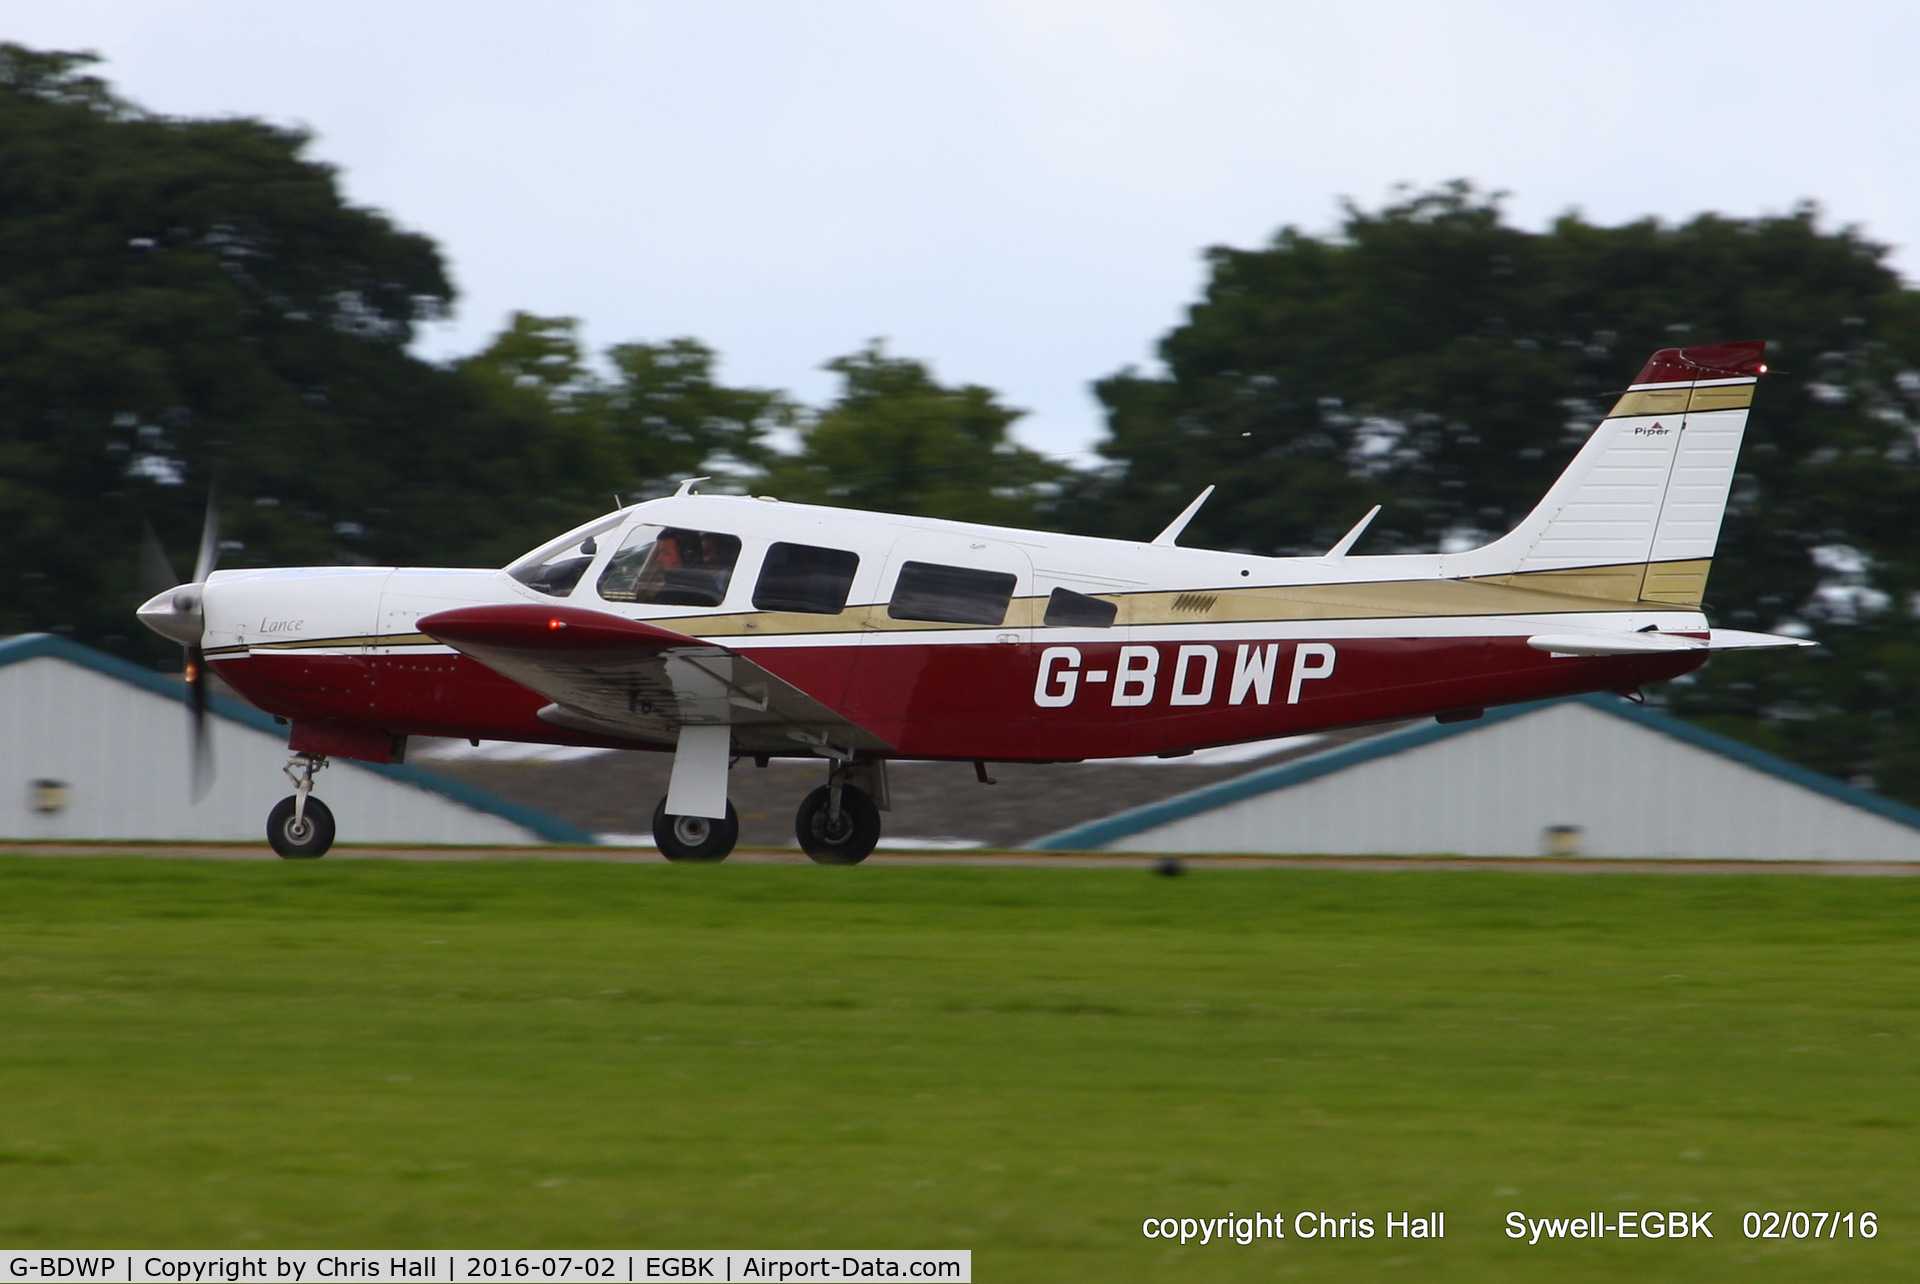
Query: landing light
point(1763, 368)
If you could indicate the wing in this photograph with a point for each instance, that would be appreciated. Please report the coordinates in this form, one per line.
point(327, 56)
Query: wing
point(610, 676)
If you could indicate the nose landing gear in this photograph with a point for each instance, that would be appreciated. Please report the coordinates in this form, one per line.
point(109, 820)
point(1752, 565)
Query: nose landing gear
point(300, 827)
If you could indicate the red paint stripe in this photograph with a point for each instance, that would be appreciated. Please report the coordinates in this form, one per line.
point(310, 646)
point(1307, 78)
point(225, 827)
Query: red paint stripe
point(977, 700)
point(1706, 361)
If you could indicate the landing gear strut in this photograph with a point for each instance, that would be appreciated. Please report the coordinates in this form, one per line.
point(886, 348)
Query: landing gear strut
point(695, 838)
point(839, 822)
point(300, 827)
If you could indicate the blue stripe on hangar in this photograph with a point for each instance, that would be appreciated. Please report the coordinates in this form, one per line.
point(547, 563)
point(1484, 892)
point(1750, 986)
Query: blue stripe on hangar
point(29, 646)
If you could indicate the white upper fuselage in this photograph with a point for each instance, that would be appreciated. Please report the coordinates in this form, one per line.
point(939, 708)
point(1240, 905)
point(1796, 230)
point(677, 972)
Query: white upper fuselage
point(372, 608)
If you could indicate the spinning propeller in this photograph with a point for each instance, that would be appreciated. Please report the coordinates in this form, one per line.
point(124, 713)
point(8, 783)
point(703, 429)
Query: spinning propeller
point(175, 611)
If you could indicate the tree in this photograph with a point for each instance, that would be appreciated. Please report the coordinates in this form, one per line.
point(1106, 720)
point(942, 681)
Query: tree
point(1434, 359)
point(536, 366)
point(670, 417)
point(898, 440)
point(186, 300)
point(658, 416)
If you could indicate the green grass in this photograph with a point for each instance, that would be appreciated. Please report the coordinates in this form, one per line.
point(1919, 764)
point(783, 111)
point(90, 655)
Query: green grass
point(1025, 1062)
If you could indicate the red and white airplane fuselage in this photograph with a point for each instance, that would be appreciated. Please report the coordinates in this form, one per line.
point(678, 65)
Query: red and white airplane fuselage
point(720, 626)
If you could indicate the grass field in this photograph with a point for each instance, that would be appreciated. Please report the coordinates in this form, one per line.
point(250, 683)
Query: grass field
point(1025, 1062)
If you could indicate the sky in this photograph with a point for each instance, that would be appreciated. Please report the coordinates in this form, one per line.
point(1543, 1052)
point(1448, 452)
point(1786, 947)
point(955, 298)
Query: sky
point(1017, 191)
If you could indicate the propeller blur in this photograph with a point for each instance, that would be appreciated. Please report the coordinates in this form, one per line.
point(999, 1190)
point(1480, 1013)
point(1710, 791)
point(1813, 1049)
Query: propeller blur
point(176, 612)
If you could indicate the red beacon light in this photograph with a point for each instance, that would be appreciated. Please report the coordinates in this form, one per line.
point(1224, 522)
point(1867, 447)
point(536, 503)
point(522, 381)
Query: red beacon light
point(556, 624)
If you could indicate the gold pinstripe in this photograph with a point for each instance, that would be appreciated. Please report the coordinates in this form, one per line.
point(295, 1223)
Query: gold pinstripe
point(1675, 401)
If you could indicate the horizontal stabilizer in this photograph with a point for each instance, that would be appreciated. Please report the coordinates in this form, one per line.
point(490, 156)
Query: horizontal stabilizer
point(1599, 642)
point(1740, 640)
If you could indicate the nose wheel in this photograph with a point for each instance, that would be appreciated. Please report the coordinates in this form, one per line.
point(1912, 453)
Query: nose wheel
point(303, 835)
point(300, 827)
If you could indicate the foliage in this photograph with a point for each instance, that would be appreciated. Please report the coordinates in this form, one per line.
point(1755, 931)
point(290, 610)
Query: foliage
point(1434, 359)
point(660, 415)
point(670, 417)
point(898, 440)
point(180, 299)
point(189, 300)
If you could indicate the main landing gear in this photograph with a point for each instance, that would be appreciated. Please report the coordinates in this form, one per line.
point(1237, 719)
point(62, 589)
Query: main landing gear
point(300, 827)
point(838, 823)
point(695, 838)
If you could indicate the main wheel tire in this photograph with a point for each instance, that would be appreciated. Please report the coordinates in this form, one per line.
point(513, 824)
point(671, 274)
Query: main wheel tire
point(307, 840)
point(695, 838)
point(844, 843)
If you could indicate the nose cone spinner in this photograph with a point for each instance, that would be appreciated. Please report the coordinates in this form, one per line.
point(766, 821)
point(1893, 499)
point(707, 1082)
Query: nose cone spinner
point(175, 614)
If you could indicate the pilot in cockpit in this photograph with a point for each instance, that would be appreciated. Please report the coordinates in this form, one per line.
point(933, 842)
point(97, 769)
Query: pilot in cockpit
point(686, 568)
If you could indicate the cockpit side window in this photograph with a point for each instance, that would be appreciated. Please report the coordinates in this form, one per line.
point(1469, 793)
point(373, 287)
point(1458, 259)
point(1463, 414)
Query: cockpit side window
point(800, 577)
point(1068, 609)
point(671, 566)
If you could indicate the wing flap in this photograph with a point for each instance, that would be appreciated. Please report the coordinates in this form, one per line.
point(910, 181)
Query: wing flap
point(608, 675)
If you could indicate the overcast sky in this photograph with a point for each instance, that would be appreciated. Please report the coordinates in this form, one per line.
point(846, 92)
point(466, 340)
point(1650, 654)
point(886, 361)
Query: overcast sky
point(1017, 192)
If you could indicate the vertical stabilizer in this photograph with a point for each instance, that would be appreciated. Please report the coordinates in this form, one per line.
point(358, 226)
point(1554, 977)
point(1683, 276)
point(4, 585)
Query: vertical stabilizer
point(1639, 507)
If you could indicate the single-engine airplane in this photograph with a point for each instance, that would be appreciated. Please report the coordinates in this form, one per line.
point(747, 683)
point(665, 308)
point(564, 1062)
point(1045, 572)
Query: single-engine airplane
point(723, 627)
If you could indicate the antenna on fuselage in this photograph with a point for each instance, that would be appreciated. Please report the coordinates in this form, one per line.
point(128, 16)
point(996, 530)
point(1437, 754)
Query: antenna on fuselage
point(1178, 524)
point(686, 487)
point(1347, 540)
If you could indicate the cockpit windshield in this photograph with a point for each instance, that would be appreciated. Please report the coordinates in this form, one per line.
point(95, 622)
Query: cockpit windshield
point(555, 568)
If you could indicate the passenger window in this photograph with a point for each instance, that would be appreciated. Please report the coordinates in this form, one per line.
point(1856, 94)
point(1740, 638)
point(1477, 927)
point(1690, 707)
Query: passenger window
point(671, 566)
point(1067, 609)
point(950, 594)
point(799, 577)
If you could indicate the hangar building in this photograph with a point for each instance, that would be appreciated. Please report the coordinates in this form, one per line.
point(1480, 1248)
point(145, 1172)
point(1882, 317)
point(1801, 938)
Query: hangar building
point(1593, 776)
point(96, 748)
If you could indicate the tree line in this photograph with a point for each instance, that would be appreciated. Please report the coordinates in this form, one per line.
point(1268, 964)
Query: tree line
point(185, 302)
